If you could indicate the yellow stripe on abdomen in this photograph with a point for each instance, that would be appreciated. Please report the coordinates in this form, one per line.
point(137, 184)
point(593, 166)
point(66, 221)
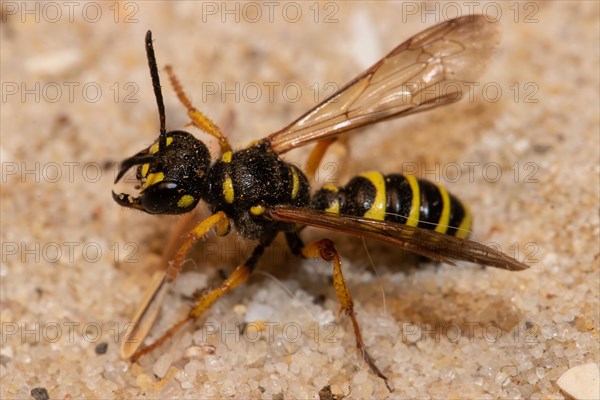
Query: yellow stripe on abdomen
point(377, 210)
point(444, 221)
point(415, 207)
point(464, 229)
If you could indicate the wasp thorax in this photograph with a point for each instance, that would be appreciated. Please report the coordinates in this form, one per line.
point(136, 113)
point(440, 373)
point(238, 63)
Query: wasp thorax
point(171, 179)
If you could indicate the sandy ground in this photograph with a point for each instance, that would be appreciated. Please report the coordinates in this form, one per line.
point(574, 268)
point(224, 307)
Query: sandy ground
point(523, 153)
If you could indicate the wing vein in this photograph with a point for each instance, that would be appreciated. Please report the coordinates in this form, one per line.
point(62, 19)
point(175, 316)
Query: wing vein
point(436, 62)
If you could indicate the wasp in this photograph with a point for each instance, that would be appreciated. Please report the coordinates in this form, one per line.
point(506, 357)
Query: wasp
point(261, 195)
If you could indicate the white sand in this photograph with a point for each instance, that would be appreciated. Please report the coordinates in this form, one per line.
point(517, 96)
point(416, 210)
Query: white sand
point(74, 265)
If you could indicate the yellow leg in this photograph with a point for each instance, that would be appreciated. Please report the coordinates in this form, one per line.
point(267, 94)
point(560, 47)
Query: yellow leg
point(315, 158)
point(218, 221)
point(184, 225)
point(239, 276)
point(325, 249)
point(148, 309)
point(199, 120)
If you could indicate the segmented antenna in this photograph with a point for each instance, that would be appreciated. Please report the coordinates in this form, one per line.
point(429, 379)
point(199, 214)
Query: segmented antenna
point(162, 139)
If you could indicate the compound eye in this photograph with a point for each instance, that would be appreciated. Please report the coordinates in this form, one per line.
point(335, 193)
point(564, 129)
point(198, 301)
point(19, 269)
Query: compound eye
point(167, 198)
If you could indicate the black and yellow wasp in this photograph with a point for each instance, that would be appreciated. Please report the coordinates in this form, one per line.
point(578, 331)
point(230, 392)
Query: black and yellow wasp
point(261, 195)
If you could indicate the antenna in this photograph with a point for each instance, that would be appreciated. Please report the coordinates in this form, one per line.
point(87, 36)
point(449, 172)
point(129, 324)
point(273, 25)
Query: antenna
point(162, 139)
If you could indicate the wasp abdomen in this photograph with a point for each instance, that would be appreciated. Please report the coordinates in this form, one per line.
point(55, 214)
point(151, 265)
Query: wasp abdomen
point(397, 198)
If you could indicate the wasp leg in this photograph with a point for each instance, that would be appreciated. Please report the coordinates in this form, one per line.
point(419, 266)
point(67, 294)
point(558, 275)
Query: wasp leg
point(318, 152)
point(148, 309)
point(325, 249)
point(185, 224)
point(198, 119)
point(238, 276)
point(315, 158)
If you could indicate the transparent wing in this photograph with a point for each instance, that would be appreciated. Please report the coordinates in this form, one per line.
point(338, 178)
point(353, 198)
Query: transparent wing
point(434, 245)
point(428, 70)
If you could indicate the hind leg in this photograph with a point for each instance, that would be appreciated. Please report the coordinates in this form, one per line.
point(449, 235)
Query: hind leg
point(325, 249)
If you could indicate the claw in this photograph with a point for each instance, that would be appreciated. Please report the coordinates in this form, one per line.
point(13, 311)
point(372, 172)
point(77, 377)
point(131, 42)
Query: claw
point(127, 200)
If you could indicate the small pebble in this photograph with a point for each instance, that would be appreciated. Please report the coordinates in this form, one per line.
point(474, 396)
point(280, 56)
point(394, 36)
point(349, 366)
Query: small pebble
point(101, 348)
point(162, 365)
point(40, 393)
point(55, 63)
point(581, 382)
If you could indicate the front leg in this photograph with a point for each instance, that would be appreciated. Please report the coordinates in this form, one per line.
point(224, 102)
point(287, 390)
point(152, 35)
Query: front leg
point(198, 119)
point(237, 277)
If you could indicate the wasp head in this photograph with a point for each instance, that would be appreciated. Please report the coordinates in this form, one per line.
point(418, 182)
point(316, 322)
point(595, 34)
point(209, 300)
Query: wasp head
point(170, 179)
point(171, 172)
